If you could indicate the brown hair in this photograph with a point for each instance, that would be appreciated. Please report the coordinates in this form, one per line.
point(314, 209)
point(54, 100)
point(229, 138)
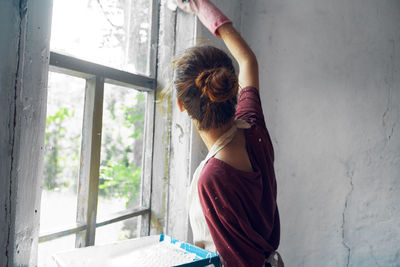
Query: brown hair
point(207, 86)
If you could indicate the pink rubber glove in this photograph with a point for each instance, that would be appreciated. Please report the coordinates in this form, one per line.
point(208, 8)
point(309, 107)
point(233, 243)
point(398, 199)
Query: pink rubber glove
point(211, 17)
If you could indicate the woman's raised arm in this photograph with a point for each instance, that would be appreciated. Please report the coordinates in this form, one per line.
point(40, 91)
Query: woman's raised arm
point(248, 66)
point(221, 26)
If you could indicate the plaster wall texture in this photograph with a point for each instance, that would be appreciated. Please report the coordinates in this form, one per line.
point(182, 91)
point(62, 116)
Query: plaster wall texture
point(330, 87)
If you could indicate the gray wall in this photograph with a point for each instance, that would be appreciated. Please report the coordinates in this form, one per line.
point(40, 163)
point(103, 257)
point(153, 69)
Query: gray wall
point(24, 50)
point(330, 82)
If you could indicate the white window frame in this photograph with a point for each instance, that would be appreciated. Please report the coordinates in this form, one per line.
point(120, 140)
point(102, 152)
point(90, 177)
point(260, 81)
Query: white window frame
point(96, 76)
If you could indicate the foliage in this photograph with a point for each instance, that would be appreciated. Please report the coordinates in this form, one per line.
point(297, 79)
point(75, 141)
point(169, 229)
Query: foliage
point(120, 171)
point(120, 180)
point(54, 163)
point(135, 116)
point(126, 33)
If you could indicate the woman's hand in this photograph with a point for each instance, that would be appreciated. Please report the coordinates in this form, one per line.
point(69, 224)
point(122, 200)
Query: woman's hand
point(221, 26)
point(208, 14)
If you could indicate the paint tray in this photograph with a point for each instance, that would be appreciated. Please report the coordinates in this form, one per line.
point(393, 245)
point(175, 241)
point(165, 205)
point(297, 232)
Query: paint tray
point(157, 250)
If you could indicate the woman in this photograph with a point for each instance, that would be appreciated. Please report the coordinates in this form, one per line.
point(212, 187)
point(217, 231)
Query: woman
point(232, 198)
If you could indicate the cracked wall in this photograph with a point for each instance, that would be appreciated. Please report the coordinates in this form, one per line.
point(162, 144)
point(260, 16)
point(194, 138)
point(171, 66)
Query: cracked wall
point(330, 86)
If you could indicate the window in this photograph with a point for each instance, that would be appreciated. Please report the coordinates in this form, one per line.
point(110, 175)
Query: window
point(99, 127)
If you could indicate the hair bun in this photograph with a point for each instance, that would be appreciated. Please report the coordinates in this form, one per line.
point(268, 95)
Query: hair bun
point(218, 84)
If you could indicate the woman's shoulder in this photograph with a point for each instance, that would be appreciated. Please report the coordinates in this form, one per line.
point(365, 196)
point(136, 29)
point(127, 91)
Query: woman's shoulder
point(215, 173)
point(212, 169)
point(219, 173)
point(215, 182)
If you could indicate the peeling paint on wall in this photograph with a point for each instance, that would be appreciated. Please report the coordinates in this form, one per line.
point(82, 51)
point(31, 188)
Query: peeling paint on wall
point(162, 124)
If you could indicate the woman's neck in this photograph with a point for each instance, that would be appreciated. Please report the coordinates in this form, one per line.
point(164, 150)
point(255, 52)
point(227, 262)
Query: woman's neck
point(211, 136)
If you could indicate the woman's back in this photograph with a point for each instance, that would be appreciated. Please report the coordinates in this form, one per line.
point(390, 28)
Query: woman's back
point(233, 192)
point(240, 205)
point(235, 153)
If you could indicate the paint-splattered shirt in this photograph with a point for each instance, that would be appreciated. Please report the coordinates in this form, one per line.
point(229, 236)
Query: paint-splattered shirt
point(240, 207)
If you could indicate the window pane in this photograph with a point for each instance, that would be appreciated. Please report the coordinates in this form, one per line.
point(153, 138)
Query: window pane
point(122, 230)
point(115, 33)
point(62, 151)
point(121, 149)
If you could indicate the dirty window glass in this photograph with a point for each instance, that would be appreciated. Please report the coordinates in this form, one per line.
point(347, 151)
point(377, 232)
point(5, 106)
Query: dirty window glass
point(114, 33)
point(118, 231)
point(121, 150)
point(64, 118)
point(62, 151)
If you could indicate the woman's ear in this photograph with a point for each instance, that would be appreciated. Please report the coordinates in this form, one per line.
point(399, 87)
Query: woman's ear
point(180, 105)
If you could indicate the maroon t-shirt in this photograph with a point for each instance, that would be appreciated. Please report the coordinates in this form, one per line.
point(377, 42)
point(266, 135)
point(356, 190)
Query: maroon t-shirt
point(240, 207)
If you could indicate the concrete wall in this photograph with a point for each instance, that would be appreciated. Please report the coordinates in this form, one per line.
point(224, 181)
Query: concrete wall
point(24, 50)
point(330, 83)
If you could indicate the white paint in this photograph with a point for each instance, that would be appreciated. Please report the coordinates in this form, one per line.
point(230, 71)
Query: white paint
point(141, 252)
point(163, 254)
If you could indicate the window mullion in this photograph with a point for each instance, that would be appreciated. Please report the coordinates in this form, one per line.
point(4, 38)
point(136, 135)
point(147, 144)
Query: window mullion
point(152, 66)
point(80, 68)
point(90, 161)
point(147, 173)
point(145, 192)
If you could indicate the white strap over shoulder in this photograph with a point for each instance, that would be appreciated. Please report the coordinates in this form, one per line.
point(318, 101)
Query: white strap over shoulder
point(222, 141)
point(198, 222)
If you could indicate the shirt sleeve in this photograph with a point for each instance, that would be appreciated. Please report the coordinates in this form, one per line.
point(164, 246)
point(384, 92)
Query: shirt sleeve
point(249, 107)
point(227, 222)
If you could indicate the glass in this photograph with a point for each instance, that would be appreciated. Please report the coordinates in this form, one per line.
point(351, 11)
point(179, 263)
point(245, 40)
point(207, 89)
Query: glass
point(65, 100)
point(47, 249)
point(121, 150)
point(115, 33)
point(118, 231)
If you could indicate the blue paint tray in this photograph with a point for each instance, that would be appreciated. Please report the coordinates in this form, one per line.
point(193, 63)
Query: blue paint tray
point(156, 250)
point(203, 257)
